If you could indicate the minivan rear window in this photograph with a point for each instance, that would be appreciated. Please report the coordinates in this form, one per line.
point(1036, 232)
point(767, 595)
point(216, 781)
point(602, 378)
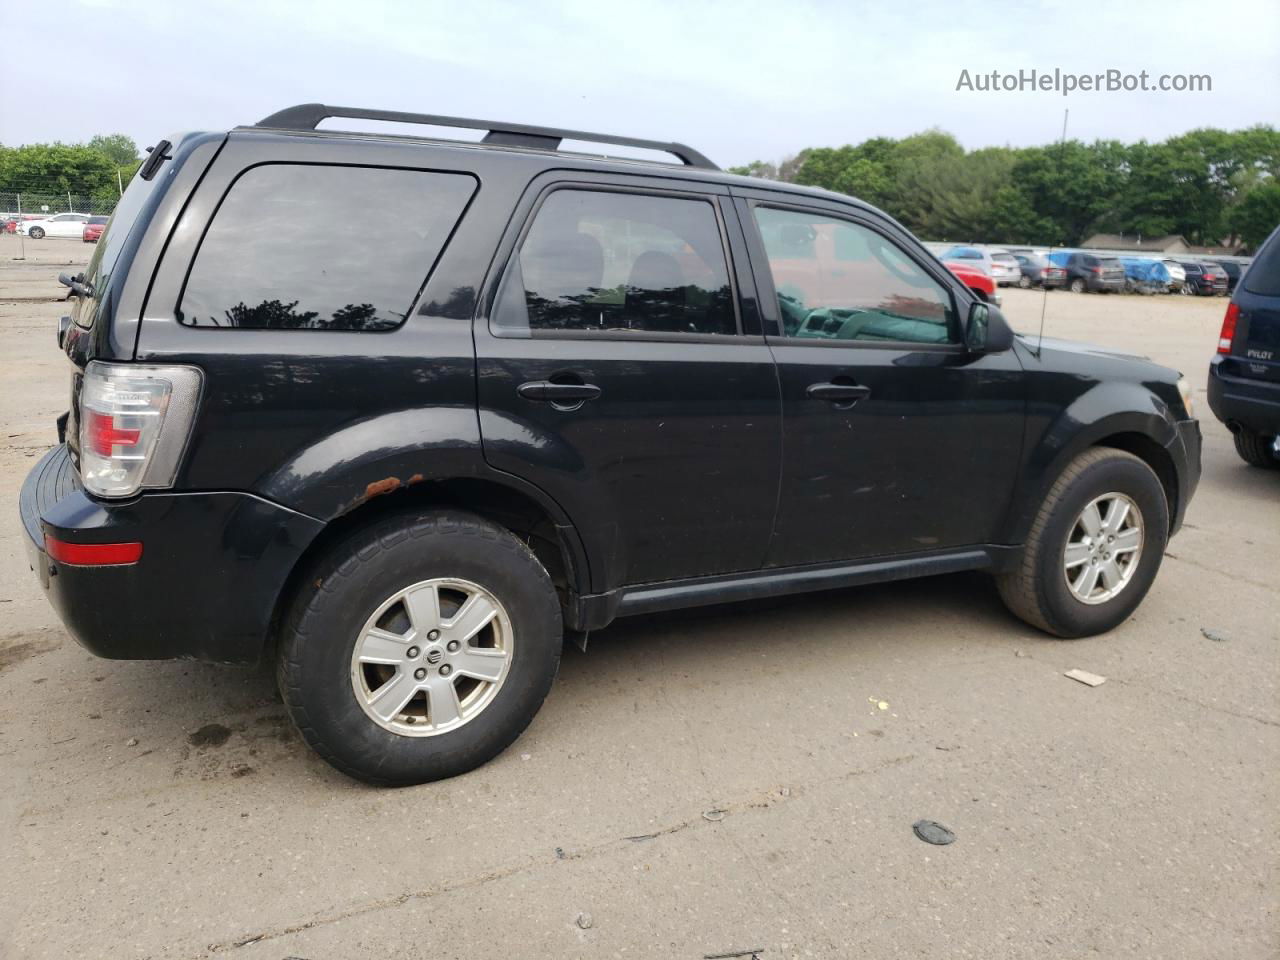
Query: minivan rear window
point(314, 247)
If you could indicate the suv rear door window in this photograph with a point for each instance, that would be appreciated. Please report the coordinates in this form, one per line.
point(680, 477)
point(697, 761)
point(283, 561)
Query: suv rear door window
point(307, 247)
point(597, 261)
point(839, 280)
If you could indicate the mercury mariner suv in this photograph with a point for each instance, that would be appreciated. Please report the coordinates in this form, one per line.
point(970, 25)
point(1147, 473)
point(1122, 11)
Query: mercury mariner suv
point(547, 389)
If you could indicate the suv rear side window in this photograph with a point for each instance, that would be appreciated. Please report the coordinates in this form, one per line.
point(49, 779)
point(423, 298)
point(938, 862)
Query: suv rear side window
point(307, 247)
point(596, 261)
point(838, 280)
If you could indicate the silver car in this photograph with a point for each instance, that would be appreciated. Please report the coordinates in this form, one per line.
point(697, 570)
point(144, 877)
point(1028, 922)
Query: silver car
point(999, 264)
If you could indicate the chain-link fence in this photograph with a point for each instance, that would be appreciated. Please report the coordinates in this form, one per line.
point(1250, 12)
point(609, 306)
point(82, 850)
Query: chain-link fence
point(45, 200)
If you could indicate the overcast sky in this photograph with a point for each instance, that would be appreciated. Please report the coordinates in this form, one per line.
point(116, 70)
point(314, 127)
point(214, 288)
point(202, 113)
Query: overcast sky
point(739, 81)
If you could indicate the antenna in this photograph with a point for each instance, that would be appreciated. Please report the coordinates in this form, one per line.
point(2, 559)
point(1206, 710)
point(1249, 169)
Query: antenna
point(1044, 290)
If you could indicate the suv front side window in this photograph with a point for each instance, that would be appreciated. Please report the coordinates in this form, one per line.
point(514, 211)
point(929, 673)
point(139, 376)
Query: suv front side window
point(603, 261)
point(851, 283)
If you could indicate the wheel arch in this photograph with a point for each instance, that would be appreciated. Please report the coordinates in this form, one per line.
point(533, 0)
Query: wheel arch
point(1119, 416)
point(526, 512)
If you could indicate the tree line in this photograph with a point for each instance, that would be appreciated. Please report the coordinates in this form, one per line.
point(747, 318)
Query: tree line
point(95, 169)
point(1214, 187)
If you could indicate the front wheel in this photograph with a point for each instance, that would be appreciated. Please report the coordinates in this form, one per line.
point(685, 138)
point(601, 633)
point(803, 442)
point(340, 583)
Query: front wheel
point(1094, 548)
point(420, 647)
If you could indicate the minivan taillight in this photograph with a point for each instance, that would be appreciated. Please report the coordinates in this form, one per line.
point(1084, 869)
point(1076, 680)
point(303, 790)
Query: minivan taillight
point(1228, 328)
point(134, 422)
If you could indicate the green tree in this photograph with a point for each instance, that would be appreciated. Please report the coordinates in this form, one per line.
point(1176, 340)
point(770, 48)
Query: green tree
point(121, 150)
point(1255, 216)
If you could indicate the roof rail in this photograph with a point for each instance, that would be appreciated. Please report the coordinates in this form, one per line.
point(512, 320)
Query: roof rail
point(307, 116)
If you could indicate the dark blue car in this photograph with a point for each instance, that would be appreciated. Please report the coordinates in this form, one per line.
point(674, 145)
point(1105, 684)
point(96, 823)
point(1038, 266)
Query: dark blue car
point(1244, 378)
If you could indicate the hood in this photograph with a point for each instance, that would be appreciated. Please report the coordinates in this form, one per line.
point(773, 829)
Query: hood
point(1077, 348)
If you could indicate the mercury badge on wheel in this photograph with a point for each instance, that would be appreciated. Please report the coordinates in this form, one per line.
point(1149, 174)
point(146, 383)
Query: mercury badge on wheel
point(549, 391)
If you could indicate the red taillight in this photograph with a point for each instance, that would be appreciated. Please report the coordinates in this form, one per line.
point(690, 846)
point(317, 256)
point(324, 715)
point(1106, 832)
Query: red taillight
point(1228, 328)
point(92, 554)
point(103, 434)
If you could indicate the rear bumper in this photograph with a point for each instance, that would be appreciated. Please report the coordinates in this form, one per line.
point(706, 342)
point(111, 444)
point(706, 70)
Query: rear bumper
point(1100, 284)
point(212, 569)
point(1243, 401)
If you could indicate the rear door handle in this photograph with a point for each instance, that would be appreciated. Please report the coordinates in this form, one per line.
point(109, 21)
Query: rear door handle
point(549, 392)
point(844, 393)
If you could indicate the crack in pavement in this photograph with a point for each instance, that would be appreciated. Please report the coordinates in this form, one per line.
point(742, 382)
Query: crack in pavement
point(762, 801)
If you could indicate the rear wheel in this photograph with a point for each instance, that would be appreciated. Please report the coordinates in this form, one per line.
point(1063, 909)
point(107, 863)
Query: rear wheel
point(1077, 285)
point(1024, 281)
point(1256, 449)
point(35, 233)
point(420, 648)
point(1094, 547)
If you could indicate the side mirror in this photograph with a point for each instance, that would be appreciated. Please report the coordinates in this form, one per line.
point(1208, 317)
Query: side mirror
point(987, 330)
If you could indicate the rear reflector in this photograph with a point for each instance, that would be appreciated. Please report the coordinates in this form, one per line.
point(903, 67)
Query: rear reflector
point(1228, 328)
point(92, 554)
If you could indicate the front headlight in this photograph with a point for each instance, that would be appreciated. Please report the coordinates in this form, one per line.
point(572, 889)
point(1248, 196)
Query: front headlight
point(1184, 389)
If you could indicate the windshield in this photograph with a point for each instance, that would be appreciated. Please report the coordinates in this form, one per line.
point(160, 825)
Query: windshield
point(1110, 262)
point(1007, 259)
point(107, 252)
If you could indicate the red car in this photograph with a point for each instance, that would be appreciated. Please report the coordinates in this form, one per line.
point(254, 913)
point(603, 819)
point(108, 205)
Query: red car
point(93, 229)
point(975, 279)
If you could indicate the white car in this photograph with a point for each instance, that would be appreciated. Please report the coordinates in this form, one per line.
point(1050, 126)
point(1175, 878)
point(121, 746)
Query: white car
point(997, 263)
point(59, 225)
point(1177, 275)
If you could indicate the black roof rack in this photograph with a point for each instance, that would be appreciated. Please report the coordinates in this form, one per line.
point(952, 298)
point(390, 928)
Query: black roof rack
point(306, 116)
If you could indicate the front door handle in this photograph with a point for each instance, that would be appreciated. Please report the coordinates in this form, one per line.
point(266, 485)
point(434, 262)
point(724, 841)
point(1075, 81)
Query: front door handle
point(550, 392)
point(840, 393)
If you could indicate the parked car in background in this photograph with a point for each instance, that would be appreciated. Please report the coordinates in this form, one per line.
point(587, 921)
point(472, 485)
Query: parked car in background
point(59, 225)
point(1037, 271)
point(1144, 275)
point(1088, 272)
point(1244, 377)
point(1204, 279)
point(1177, 276)
point(8, 224)
point(977, 280)
point(561, 393)
point(1234, 269)
point(93, 229)
point(1004, 272)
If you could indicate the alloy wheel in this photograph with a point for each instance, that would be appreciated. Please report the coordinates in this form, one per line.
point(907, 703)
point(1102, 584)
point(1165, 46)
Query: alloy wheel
point(1103, 549)
point(432, 657)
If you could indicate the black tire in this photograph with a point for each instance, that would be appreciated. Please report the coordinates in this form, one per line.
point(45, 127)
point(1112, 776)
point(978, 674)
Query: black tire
point(1077, 285)
point(1037, 591)
point(1255, 449)
point(35, 233)
point(314, 668)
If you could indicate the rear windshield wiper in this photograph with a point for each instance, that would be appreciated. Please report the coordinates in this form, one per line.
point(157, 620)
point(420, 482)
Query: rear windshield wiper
point(79, 286)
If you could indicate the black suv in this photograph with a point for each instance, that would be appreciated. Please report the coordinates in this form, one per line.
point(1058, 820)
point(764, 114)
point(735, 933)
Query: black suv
point(539, 390)
point(1204, 279)
point(1093, 274)
point(1244, 378)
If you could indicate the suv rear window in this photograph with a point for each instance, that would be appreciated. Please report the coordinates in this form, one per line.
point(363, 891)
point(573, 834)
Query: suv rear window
point(1263, 275)
point(309, 247)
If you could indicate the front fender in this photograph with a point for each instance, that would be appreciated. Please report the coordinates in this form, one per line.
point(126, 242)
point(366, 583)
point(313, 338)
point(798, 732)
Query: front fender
point(1055, 437)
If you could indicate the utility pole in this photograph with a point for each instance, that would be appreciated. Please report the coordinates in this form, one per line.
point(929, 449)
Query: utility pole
point(119, 182)
point(70, 207)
